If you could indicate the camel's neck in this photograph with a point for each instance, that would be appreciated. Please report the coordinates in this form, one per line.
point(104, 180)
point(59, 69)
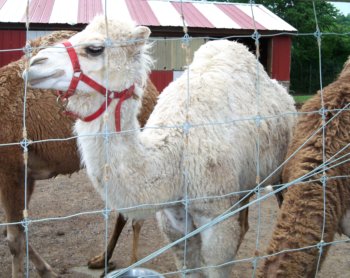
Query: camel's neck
point(138, 169)
point(98, 136)
point(345, 73)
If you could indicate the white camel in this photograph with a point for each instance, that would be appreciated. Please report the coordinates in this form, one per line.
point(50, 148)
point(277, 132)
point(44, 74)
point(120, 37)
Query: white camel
point(145, 166)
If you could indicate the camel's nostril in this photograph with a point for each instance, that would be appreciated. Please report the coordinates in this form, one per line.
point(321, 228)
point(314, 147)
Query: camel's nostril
point(37, 61)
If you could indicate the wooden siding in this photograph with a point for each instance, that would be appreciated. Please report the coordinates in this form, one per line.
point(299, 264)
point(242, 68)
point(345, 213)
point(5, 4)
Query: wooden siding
point(170, 55)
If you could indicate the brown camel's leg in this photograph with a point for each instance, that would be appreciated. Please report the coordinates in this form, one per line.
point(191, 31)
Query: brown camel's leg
point(13, 206)
point(279, 196)
point(99, 260)
point(12, 199)
point(42, 267)
point(136, 227)
point(243, 220)
point(15, 241)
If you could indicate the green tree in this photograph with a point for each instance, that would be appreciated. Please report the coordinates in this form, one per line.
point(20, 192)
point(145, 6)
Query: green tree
point(305, 55)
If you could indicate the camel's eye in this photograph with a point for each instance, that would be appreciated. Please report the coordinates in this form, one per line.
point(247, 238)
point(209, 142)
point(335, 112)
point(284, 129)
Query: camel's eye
point(94, 50)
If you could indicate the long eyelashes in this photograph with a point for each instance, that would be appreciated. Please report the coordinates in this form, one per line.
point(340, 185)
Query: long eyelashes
point(94, 50)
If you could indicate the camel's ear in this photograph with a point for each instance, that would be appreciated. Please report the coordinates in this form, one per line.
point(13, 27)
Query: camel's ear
point(141, 34)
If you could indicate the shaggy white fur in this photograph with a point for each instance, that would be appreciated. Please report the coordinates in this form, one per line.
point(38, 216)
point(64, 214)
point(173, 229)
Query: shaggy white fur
point(145, 167)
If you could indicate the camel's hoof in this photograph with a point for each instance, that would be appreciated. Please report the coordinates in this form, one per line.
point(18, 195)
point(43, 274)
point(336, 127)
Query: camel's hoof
point(98, 262)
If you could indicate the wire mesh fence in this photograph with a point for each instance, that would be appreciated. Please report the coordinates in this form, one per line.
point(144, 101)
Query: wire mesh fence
point(320, 173)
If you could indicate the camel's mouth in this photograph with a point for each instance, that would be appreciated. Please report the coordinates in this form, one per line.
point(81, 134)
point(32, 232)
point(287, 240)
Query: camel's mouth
point(34, 81)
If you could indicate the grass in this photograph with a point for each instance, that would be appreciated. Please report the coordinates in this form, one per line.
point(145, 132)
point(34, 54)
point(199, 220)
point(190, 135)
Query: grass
point(301, 98)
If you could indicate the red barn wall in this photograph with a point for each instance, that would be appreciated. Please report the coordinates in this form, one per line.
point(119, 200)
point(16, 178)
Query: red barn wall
point(11, 39)
point(161, 78)
point(281, 58)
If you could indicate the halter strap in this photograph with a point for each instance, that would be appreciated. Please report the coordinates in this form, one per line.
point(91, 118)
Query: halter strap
point(77, 73)
point(78, 76)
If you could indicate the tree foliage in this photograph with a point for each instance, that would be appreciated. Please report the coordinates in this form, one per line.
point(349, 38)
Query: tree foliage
point(335, 48)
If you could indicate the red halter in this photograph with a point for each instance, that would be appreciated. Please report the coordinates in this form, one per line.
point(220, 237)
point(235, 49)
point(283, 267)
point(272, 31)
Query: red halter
point(78, 75)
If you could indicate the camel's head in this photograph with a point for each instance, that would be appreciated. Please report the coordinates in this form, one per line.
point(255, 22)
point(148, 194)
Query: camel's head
point(116, 63)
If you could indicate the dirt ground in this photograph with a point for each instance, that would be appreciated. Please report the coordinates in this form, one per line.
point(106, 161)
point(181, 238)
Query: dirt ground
point(68, 244)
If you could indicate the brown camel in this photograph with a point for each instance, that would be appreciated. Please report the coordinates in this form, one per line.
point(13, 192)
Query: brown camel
point(301, 216)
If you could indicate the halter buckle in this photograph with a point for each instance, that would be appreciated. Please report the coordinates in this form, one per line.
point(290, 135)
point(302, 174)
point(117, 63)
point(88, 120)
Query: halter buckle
point(62, 101)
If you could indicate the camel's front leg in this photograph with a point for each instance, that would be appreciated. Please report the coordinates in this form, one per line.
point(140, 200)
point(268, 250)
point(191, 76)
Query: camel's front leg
point(172, 223)
point(99, 260)
point(12, 199)
point(136, 227)
point(43, 268)
point(15, 241)
point(219, 242)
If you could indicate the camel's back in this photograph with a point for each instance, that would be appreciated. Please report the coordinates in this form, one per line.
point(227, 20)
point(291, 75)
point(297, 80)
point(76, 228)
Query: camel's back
point(220, 96)
point(225, 82)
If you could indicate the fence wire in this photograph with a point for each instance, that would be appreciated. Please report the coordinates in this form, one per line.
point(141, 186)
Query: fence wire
point(188, 128)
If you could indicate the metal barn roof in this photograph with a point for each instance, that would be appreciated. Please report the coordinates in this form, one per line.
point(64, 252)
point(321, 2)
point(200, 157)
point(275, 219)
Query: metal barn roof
point(198, 14)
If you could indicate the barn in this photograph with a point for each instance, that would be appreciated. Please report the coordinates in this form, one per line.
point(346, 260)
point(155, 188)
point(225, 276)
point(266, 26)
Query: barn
point(204, 21)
